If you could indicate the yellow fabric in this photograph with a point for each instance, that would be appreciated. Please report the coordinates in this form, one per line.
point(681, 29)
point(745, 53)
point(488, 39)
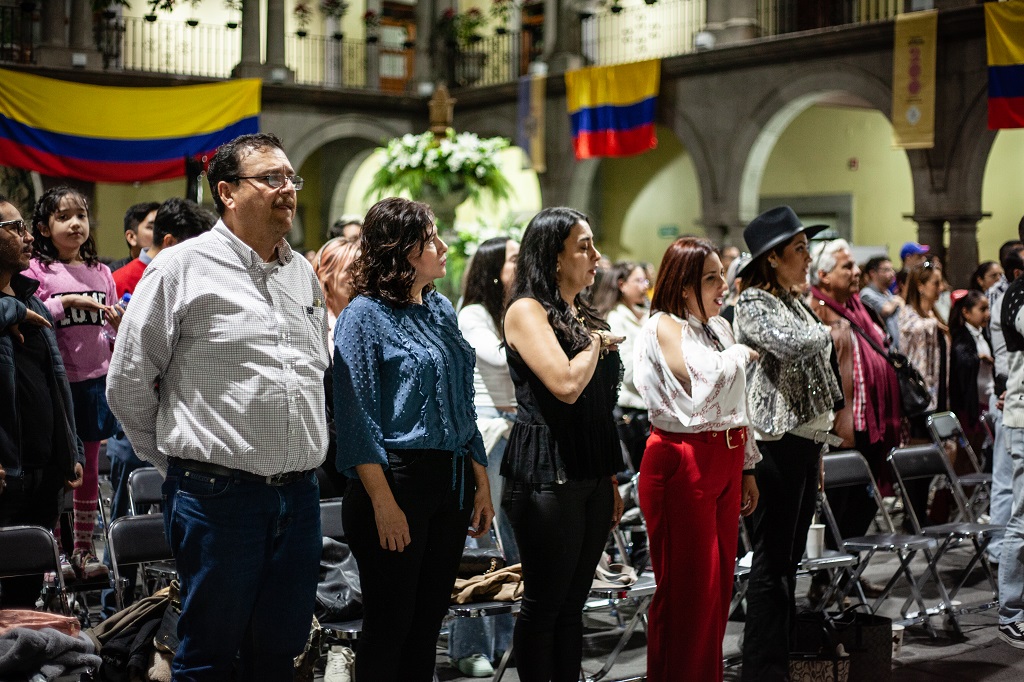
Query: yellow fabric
point(913, 80)
point(618, 85)
point(126, 113)
point(1004, 31)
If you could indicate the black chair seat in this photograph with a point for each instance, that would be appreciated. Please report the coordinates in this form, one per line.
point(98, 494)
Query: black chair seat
point(891, 541)
point(962, 529)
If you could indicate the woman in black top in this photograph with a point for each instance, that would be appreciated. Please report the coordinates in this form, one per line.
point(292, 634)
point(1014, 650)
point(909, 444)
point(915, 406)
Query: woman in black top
point(560, 493)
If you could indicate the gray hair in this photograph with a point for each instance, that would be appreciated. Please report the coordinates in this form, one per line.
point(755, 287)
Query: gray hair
point(823, 257)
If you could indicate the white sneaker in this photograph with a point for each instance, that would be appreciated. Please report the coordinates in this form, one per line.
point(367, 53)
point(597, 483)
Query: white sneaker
point(340, 661)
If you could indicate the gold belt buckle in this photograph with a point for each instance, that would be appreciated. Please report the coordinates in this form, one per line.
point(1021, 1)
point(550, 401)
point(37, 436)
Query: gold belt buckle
point(728, 439)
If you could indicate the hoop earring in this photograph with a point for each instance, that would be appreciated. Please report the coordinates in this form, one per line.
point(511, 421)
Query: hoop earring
point(773, 264)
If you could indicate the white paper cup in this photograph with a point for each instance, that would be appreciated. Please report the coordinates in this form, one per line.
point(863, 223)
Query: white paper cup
point(815, 540)
point(897, 640)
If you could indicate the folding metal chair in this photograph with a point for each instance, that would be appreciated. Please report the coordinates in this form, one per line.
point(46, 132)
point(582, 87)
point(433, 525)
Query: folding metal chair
point(641, 592)
point(136, 540)
point(330, 527)
point(32, 550)
point(849, 468)
point(145, 490)
point(945, 427)
point(927, 462)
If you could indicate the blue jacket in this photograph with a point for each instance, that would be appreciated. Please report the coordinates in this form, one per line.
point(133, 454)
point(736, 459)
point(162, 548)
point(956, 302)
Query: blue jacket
point(68, 447)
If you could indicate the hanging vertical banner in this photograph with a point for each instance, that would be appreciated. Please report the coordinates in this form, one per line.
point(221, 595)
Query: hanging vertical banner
point(118, 134)
point(913, 80)
point(530, 121)
point(1004, 36)
point(612, 108)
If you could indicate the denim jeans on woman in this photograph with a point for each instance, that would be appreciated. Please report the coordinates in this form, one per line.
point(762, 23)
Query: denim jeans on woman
point(1011, 564)
point(248, 560)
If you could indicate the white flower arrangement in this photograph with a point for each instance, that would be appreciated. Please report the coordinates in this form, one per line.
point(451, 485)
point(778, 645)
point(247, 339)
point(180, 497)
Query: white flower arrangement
point(416, 164)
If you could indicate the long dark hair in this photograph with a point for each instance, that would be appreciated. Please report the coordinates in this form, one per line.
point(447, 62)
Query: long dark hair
point(43, 247)
point(980, 274)
point(682, 268)
point(536, 272)
point(761, 275)
point(606, 293)
point(966, 302)
point(392, 229)
point(483, 280)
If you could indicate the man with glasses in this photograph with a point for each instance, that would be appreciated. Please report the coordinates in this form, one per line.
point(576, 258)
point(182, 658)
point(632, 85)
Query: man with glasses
point(877, 296)
point(217, 378)
point(40, 452)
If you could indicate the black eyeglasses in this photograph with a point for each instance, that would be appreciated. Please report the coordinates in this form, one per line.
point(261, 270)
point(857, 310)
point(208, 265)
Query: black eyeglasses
point(15, 226)
point(275, 180)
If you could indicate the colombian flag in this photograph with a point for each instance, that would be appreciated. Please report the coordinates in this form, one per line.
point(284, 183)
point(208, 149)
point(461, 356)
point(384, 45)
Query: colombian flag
point(1004, 29)
point(612, 108)
point(114, 134)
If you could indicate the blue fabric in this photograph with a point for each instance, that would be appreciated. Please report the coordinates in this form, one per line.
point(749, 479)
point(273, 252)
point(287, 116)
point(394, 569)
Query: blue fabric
point(403, 379)
point(248, 560)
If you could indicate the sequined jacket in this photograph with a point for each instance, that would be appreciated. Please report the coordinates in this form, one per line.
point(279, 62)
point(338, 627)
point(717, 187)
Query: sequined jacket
point(792, 382)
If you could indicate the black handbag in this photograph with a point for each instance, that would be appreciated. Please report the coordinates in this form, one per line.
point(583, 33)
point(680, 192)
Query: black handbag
point(914, 394)
point(816, 655)
point(480, 561)
point(867, 638)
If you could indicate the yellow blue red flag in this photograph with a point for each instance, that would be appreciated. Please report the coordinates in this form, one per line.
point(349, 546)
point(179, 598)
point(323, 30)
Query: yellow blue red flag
point(612, 108)
point(116, 134)
point(1004, 31)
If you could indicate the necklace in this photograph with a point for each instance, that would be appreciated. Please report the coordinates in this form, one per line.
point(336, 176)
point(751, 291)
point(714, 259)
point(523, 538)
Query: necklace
point(578, 316)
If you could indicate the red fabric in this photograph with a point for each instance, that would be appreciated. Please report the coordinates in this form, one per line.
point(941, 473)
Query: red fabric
point(127, 278)
point(1005, 112)
point(690, 496)
point(21, 156)
point(883, 388)
point(611, 143)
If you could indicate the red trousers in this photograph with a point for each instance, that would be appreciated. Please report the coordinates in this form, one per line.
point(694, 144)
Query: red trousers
point(690, 488)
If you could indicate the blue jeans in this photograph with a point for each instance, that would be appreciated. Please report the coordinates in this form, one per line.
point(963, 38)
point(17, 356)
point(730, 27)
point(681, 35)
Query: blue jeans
point(1011, 564)
point(1001, 502)
point(248, 558)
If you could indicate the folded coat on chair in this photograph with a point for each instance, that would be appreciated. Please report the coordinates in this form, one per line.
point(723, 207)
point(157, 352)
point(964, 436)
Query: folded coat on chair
point(505, 584)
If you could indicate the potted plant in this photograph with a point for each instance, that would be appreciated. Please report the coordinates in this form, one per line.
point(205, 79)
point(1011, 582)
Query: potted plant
point(616, 7)
point(162, 5)
point(334, 9)
point(303, 13)
point(501, 12)
point(103, 7)
point(233, 6)
point(372, 22)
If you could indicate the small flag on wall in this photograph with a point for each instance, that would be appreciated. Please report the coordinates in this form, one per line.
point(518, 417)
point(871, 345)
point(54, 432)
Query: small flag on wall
point(114, 134)
point(1004, 32)
point(913, 80)
point(530, 123)
point(612, 108)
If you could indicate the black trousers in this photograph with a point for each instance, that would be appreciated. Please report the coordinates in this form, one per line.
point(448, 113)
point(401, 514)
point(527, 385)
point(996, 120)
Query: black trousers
point(561, 532)
point(406, 594)
point(34, 499)
point(787, 479)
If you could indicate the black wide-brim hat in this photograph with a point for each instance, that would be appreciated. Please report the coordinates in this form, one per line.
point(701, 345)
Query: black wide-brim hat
point(771, 228)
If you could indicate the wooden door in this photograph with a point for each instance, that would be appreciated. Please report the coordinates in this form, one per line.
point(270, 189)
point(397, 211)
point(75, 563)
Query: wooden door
point(397, 49)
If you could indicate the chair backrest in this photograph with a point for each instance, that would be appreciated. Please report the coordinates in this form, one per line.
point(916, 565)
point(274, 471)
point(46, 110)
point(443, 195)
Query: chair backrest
point(136, 540)
point(330, 519)
point(946, 426)
point(28, 550)
point(144, 489)
point(917, 462)
point(848, 468)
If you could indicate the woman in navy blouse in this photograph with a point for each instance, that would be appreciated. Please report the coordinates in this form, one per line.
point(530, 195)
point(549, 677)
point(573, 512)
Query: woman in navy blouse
point(403, 395)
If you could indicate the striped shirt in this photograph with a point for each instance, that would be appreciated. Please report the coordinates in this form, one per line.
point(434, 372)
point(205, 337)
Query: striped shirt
point(221, 358)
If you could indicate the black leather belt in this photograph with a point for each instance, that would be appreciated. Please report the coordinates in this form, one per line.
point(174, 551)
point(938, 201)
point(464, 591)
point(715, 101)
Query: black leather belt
point(195, 466)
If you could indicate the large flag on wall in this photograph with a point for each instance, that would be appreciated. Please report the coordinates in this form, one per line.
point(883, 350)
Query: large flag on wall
point(913, 80)
point(115, 134)
point(612, 108)
point(1004, 31)
point(530, 121)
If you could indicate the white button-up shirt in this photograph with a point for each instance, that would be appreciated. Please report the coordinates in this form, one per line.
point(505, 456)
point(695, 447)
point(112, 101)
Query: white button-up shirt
point(221, 358)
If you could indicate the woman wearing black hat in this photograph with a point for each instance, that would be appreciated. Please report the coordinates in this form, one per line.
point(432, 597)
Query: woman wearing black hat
point(791, 392)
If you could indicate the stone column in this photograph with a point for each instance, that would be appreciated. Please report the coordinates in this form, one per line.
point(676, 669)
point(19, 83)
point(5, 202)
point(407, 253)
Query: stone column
point(54, 33)
point(731, 21)
point(81, 25)
point(373, 51)
point(930, 231)
point(276, 69)
point(422, 69)
point(962, 258)
point(251, 63)
point(54, 50)
point(563, 49)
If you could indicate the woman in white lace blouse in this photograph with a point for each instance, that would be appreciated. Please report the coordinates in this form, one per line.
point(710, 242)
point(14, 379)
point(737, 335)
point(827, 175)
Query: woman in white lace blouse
point(696, 475)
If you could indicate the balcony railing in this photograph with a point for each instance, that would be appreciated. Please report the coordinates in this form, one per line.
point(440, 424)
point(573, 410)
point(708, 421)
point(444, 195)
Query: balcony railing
point(161, 46)
point(644, 32)
point(492, 60)
point(15, 35)
point(327, 61)
point(776, 17)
